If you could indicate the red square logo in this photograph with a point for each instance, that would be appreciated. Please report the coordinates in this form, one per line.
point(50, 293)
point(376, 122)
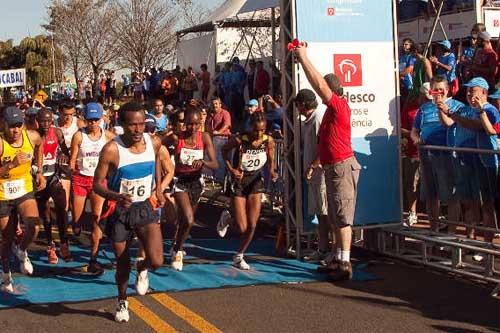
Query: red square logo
point(348, 68)
point(331, 11)
point(496, 23)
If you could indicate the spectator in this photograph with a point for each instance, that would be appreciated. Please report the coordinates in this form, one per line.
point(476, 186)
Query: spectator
point(170, 86)
point(406, 62)
point(262, 80)
point(252, 107)
point(445, 61)
point(218, 124)
point(410, 158)
point(336, 157)
point(479, 116)
point(436, 180)
point(218, 82)
point(125, 85)
point(251, 79)
point(226, 83)
point(485, 62)
point(274, 113)
point(236, 89)
point(205, 82)
point(422, 73)
point(317, 205)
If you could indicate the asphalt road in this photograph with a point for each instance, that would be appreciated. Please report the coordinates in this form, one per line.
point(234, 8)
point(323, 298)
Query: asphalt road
point(405, 298)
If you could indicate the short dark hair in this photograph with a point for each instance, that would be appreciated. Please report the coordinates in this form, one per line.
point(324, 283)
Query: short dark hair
point(257, 117)
point(439, 79)
point(129, 107)
point(204, 66)
point(334, 84)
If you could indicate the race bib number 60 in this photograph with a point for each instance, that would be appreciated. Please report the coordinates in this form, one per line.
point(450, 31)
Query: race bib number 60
point(138, 189)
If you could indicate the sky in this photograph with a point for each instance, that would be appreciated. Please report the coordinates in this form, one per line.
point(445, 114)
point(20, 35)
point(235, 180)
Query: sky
point(21, 18)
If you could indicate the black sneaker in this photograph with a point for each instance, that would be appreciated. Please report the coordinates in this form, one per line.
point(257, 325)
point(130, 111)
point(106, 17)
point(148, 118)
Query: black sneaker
point(95, 268)
point(342, 273)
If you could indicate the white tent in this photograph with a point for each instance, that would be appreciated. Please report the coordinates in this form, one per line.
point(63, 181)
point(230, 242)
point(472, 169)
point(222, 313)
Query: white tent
point(231, 30)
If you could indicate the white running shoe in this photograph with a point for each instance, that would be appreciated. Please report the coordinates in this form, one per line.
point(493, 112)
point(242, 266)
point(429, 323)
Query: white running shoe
point(477, 257)
point(223, 223)
point(177, 260)
point(240, 263)
point(24, 262)
point(142, 282)
point(315, 256)
point(7, 283)
point(412, 219)
point(122, 315)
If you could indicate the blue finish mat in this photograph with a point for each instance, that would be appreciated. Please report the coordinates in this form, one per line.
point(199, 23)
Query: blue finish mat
point(207, 265)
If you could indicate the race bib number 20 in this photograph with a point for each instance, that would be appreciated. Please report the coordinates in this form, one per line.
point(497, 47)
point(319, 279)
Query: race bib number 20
point(250, 162)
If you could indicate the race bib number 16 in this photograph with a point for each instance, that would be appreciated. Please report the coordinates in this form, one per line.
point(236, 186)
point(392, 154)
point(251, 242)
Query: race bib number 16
point(138, 189)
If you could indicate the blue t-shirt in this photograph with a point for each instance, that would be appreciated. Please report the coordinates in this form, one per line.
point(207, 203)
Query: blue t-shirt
point(485, 141)
point(274, 118)
point(427, 122)
point(448, 60)
point(161, 123)
point(406, 60)
point(468, 53)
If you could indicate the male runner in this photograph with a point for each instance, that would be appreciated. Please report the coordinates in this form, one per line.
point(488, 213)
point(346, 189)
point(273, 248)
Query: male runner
point(53, 146)
point(86, 146)
point(19, 147)
point(130, 163)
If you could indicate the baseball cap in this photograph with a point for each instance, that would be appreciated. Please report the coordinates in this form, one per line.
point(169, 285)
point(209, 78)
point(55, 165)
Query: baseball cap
point(150, 123)
point(484, 35)
point(253, 102)
point(446, 43)
point(31, 112)
point(477, 82)
point(305, 95)
point(13, 115)
point(93, 111)
point(495, 94)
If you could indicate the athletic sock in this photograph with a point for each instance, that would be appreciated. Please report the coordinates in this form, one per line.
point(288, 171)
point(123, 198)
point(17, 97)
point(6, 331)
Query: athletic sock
point(338, 254)
point(345, 256)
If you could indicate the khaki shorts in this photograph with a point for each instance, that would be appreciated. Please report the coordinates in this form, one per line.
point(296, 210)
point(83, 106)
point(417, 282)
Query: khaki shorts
point(411, 174)
point(317, 203)
point(342, 186)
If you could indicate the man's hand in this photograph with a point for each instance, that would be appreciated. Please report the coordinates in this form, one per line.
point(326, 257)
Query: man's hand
point(41, 182)
point(434, 60)
point(301, 51)
point(478, 102)
point(160, 197)
point(443, 107)
point(124, 200)
point(274, 176)
point(310, 171)
point(198, 164)
point(21, 158)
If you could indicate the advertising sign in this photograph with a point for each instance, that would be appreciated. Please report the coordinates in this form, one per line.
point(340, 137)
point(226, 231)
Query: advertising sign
point(13, 78)
point(355, 39)
point(492, 21)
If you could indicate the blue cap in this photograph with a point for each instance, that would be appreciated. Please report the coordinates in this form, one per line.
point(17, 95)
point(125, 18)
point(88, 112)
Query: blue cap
point(13, 115)
point(446, 43)
point(477, 82)
point(93, 111)
point(253, 102)
point(495, 94)
point(31, 111)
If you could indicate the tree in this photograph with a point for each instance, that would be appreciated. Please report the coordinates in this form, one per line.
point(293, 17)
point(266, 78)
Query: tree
point(150, 39)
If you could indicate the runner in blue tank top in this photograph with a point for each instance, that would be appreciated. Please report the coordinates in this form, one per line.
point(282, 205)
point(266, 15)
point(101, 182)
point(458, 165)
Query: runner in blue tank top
point(132, 167)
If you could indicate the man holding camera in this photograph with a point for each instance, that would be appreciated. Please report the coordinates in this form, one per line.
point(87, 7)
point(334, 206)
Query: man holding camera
point(336, 157)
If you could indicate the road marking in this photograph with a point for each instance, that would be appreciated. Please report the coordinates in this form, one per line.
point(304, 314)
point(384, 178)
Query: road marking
point(180, 310)
point(149, 317)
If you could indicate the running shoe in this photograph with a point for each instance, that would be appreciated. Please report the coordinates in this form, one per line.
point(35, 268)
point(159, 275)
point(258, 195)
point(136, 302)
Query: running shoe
point(315, 256)
point(51, 254)
point(412, 219)
point(24, 262)
point(142, 282)
point(329, 258)
point(95, 268)
point(223, 223)
point(478, 257)
point(65, 253)
point(240, 263)
point(122, 315)
point(7, 283)
point(342, 273)
point(177, 261)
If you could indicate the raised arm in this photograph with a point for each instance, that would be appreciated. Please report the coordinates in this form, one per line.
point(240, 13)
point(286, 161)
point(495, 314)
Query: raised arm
point(314, 77)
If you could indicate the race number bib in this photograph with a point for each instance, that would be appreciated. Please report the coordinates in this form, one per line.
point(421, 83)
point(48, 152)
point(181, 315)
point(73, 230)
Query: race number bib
point(14, 189)
point(253, 162)
point(90, 163)
point(188, 156)
point(138, 189)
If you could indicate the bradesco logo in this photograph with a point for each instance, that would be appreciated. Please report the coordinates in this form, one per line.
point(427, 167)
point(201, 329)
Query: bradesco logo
point(349, 69)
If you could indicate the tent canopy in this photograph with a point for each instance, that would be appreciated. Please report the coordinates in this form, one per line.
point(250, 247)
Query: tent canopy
point(226, 13)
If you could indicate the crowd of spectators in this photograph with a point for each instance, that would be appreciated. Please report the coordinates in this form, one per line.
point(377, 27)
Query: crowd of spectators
point(451, 100)
point(410, 9)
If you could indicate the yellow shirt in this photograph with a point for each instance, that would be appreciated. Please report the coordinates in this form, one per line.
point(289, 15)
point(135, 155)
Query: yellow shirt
point(18, 181)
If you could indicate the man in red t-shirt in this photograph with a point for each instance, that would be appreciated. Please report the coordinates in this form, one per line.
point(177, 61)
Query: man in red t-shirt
point(218, 124)
point(485, 61)
point(336, 157)
point(262, 80)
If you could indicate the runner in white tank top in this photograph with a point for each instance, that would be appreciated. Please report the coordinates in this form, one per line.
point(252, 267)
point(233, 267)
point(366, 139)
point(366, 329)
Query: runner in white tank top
point(85, 148)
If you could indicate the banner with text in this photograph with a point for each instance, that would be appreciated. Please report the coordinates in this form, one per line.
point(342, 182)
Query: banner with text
point(355, 40)
point(13, 78)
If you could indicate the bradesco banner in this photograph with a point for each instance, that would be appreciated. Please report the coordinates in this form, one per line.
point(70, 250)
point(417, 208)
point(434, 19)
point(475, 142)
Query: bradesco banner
point(13, 78)
point(355, 40)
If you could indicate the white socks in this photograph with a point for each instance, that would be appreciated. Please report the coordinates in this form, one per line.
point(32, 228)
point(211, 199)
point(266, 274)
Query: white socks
point(345, 256)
